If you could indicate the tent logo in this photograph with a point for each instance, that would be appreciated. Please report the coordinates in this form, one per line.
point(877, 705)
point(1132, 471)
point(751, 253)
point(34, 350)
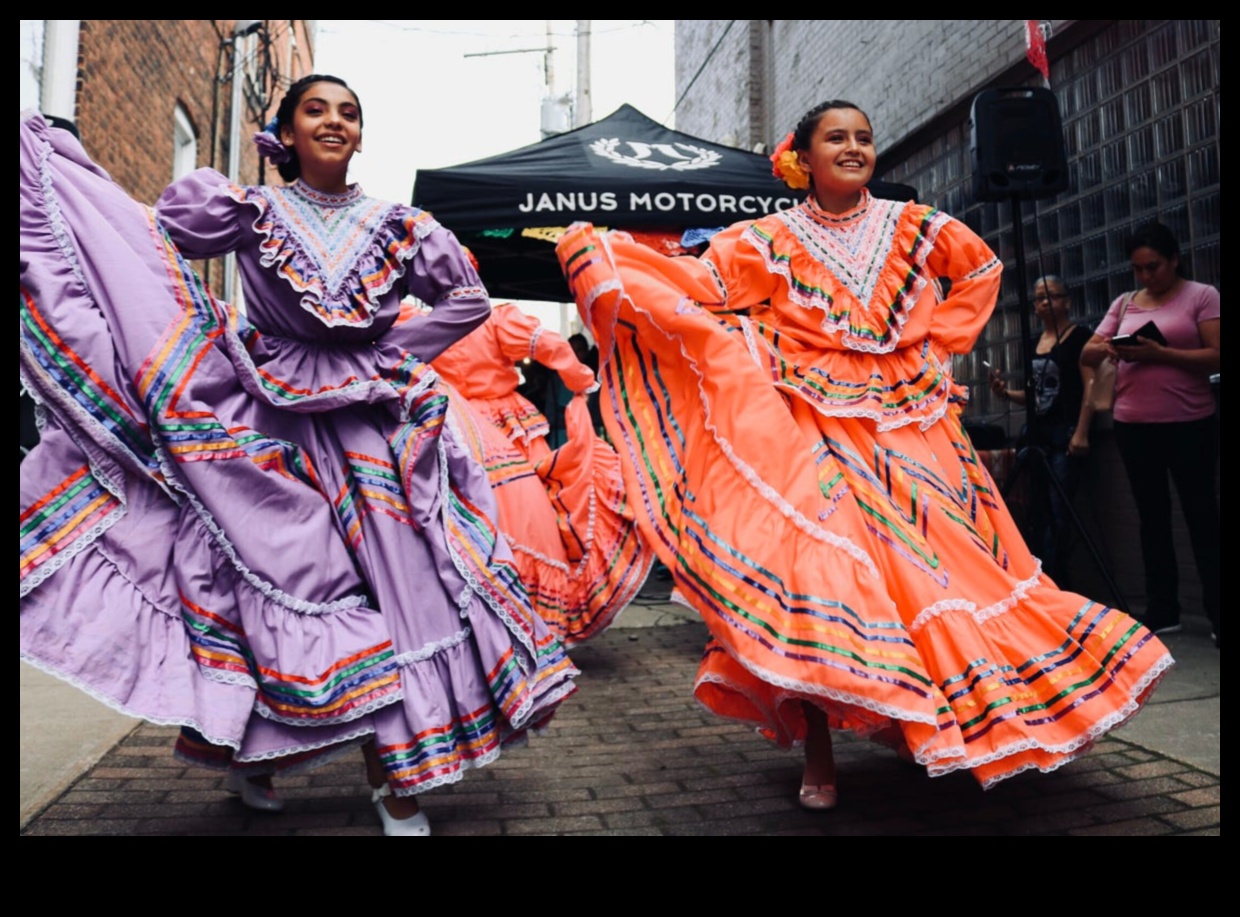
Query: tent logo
point(659, 156)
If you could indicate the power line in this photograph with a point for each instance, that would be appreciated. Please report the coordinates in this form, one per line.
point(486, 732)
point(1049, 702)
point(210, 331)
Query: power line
point(731, 22)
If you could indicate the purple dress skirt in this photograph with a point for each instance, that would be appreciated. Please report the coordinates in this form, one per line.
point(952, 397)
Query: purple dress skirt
point(261, 523)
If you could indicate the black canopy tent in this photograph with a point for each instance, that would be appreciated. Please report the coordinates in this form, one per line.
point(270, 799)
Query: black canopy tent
point(626, 171)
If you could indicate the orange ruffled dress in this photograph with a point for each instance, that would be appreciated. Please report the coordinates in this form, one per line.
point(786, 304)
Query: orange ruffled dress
point(563, 512)
point(790, 435)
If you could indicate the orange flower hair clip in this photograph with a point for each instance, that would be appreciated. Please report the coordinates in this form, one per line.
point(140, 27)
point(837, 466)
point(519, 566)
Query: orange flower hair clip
point(786, 165)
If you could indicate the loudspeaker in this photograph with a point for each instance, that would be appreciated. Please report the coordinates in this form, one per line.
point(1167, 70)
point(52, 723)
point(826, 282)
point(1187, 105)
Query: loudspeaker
point(1016, 142)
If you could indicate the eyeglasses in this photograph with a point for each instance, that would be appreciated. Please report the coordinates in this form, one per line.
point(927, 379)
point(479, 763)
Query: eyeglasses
point(1043, 297)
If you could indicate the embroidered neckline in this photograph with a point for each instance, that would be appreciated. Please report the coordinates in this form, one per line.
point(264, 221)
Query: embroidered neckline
point(814, 209)
point(341, 252)
point(855, 247)
point(864, 269)
point(326, 198)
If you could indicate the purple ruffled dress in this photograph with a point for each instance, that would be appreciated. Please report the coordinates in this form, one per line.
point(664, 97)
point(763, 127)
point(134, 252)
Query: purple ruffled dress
point(262, 525)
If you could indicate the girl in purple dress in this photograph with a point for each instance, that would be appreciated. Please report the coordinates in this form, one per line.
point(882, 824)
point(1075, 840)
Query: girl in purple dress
point(261, 525)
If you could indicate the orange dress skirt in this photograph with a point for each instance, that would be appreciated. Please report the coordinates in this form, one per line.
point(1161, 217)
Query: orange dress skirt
point(790, 437)
point(563, 512)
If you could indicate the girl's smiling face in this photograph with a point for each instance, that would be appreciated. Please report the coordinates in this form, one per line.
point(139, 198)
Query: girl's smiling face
point(325, 133)
point(840, 158)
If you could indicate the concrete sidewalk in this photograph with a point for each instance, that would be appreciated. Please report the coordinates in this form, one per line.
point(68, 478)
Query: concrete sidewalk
point(632, 753)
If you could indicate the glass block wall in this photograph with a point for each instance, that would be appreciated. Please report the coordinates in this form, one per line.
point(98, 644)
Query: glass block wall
point(1140, 106)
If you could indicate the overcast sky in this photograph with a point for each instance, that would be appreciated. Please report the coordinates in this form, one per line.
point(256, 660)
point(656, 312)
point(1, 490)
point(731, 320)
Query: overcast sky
point(428, 105)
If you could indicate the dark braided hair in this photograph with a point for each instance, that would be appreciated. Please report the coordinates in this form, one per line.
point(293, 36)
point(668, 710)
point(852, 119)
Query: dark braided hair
point(284, 116)
point(804, 132)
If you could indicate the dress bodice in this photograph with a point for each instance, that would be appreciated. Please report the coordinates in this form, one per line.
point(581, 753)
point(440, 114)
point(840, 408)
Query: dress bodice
point(323, 276)
point(869, 280)
point(327, 268)
point(858, 311)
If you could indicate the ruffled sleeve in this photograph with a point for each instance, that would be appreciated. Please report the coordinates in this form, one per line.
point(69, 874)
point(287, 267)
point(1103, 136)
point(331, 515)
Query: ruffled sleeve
point(202, 214)
point(738, 271)
point(960, 256)
point(441, 276)
point(521, 336)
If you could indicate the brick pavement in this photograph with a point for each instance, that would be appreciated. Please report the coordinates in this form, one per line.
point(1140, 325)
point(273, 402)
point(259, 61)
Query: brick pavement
point(631, 753)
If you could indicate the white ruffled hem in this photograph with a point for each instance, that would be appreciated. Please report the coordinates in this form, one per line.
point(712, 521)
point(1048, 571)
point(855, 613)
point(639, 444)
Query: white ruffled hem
point(1019, 591)
point(120, 707)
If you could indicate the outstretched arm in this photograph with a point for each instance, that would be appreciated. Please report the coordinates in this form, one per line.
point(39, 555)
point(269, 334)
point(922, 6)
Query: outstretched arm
point(521, 336)
point(730, 276)
point(203, 214)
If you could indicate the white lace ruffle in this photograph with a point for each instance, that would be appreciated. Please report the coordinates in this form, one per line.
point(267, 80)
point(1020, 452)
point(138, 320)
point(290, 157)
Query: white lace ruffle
point(240, 357)
point(309, 298)
point(269, 590)
point(55, 217)
point(114, 704)
point(1019, 591)
point(1078, 746)
point(433, 648)
point(766, 713)
point(572, 572)
point(239, 679)
point(526, 661)
point(378, 703)
point(85, 539)
point(80, 544)
point(27, 370)
point(350, 737)
point(456, 776)
point(810, 689)
point(883, 423)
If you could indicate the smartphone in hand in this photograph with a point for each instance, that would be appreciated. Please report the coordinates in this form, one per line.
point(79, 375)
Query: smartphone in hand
point(1149, 331)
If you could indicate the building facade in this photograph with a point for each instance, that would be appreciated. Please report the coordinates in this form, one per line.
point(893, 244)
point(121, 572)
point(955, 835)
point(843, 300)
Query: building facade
point(155, 98)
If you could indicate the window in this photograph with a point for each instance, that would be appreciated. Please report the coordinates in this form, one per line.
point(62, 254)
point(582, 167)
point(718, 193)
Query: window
point(184, 143)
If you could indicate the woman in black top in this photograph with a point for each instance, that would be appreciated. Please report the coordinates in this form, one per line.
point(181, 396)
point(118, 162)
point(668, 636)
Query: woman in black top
point(1062, 415)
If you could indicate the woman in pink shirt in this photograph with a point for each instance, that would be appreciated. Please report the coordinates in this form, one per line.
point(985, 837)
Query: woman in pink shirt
point(1164, 415)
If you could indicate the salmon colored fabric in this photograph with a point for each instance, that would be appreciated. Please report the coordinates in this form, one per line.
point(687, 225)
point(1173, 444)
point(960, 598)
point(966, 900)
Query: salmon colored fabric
point(563, 512)
point(789, 430)
point(481, 366)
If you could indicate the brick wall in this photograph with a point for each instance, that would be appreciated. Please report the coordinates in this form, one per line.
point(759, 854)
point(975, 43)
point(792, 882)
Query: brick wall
point(132, 73)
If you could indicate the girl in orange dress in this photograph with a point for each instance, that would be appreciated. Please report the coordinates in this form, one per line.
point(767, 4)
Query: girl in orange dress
point(563, 512)
point(790, 434)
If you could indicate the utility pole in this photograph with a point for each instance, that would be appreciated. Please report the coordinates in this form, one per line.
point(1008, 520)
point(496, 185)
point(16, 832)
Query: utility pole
point(582, 113)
